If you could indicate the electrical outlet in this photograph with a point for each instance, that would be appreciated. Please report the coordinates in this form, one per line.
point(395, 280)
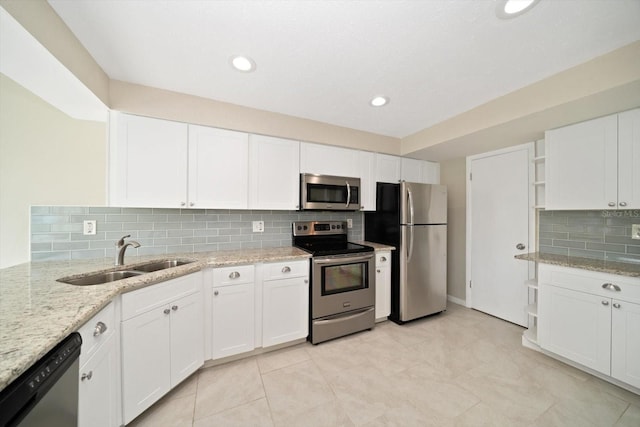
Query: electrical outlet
point(89, 227)
point(349, 223)
point(635, 231)
point(258, 226)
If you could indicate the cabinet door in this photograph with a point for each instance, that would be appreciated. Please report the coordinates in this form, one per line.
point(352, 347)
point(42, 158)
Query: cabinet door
point(98, 390)
point(411, 170)
point(625, 342)
point(575, 325)
point(367, 162)
point(233, 320)
point(146, 361)
point(218, 168)
point(328, 160)
point(629, 159)
point(581, 165)
point(430, 173)
point(187, 337)
point(387, 168)
point(383, 285)
point(285, 315)
point(149, 163)
point(274, 173)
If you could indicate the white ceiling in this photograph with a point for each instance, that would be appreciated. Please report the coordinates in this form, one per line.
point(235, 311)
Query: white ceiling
point(324, 60)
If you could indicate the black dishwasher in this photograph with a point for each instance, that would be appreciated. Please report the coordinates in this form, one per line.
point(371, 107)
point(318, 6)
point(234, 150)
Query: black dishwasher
point(47, 393)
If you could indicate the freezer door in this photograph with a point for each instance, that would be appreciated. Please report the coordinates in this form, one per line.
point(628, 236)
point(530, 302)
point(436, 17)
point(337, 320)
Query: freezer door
point(423, 203)
point(423, 271)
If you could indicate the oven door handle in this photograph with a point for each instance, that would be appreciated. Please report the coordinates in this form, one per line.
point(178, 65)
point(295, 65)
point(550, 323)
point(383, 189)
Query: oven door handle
point(340, 318)
point(342, 259)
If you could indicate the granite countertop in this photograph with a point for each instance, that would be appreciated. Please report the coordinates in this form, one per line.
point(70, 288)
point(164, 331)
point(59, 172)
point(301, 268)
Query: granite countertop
point(612, 267)
point(36, 312)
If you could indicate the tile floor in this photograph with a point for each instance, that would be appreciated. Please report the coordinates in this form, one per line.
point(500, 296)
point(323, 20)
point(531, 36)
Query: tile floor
point(458, 368)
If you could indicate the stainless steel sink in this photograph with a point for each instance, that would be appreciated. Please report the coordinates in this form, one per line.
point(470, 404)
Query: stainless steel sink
point(160, 265)
point(112, 276)
point(100, 278)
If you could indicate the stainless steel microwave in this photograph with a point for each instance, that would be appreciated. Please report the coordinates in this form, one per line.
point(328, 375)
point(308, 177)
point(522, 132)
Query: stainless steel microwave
point(326, 192)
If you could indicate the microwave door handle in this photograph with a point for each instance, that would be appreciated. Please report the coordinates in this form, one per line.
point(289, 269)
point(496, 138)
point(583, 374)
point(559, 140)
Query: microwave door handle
point(348, 194)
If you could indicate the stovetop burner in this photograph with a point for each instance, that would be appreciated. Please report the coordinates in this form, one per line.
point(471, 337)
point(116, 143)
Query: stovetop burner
point(322, 238)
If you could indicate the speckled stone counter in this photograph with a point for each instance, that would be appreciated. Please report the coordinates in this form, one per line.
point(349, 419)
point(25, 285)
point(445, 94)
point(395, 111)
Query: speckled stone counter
point(36, 312)
point(620, 268)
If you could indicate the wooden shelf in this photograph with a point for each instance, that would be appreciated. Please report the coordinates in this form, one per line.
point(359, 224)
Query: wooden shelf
point(539, 183)
point(539, 207)
point(532, 283)
point(538, 159)
point(532, 309)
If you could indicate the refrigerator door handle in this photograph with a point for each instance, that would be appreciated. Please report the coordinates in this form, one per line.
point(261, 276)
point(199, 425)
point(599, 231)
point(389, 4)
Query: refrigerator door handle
point(410, 198)
point(410, 246)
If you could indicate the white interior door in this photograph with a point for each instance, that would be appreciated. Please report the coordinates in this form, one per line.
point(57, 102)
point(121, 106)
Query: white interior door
point(499, 192)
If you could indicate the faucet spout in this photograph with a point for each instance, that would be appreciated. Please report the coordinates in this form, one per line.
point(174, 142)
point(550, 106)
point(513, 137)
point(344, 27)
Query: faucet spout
point(121, 248)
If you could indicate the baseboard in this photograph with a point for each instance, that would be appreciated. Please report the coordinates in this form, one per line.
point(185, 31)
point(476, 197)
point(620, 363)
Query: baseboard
point(456, 300)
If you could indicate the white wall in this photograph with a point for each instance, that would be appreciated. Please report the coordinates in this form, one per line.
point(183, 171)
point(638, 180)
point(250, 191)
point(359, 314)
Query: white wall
point(46, 158)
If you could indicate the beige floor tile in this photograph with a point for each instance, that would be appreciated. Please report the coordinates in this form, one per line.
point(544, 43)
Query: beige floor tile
point(327, 414)
point(613, 389)
point(175, 412)
point(187, 388)
point(252, 414)
point(296, 389)
point(631, 418)
point(558, 417)
point(406, 415)
point(282, 358)
point(591, 404)
point(227, 386)
point(482, 415)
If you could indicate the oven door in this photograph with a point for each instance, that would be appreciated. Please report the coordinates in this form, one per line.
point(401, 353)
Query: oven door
point(342, 283)
point(329, 192)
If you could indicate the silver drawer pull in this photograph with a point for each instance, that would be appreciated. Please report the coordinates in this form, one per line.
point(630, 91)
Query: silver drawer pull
point(216, 293)
point(623, 204)
point(166, 311)
point(86, 376)
point(605, 303)
point(612, 204)
point(616, 305)
point(383, 258)
point(174, 308)
point(611, 287)
point(234, 275)
point(286, 269)
point(100, 329)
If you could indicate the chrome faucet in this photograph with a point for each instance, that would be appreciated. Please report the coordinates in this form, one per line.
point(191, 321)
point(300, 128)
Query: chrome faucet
point(121, 247)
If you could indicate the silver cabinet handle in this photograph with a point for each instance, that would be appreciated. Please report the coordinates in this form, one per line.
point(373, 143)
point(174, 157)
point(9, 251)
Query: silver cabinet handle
point(286, 269)
point(215, 293)
point(612, 204)
point(174, 307)
point(234, 275)
point(378, 270)
point(183, 204)
point(623, 204)
point(192, 204)
point(166, 311)
point(383, 258)
point(100, 329)
point(605, 303)
point(611, 287)
point(520, 246)
point(306, 281)
point(616, 305)
point(86, 376)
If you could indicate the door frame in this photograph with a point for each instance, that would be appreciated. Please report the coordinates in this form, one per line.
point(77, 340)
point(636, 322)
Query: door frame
point(532, 244)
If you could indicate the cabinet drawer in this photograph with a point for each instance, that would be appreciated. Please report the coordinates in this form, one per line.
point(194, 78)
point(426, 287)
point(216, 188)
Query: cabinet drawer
point(286, 269)
point(96, 331)
point(234, 275)
point(593, 282)
point(383, 258)
point(143, 300)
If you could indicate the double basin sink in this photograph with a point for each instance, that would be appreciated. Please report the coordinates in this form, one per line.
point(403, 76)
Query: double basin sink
point(111, 276)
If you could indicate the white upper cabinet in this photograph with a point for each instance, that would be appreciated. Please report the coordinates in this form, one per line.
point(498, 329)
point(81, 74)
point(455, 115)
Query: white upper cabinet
point(591, 165)
point(388, 168)
point(148, 162)
point(421, 171)
point(218, 168)
point(274, 178)
point(367, 162)
point(328, 160)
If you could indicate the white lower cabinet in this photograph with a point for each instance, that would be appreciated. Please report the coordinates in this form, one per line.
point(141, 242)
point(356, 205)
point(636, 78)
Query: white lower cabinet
point(233, 311)
point(162, 340)
point(285, 302)
point(592, 319)
point(99, 375)
point(383, 285)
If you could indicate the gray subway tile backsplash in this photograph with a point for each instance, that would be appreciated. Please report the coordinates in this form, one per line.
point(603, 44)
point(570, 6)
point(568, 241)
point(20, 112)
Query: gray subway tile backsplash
point(604, 235)
point(56, 231)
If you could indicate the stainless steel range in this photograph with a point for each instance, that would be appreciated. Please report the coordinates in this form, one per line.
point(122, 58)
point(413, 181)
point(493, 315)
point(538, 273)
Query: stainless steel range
point(342, 280)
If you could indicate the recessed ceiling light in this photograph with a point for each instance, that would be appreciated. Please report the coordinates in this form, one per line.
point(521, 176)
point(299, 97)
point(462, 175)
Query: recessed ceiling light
point(379, 101)
point(507, 9)
point(243, 63)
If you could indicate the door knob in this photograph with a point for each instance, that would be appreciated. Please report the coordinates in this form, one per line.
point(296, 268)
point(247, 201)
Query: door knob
point(520, 246)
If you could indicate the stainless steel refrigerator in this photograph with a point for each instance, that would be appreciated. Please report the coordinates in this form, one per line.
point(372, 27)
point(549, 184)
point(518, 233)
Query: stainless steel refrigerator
point(413, 218)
